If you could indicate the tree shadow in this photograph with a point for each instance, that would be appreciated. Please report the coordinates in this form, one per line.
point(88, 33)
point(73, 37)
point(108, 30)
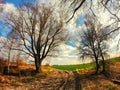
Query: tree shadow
point(77, 79)
point(81, 78)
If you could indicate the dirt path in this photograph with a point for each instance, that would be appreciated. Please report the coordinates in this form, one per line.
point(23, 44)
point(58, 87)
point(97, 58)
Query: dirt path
point(58, 80)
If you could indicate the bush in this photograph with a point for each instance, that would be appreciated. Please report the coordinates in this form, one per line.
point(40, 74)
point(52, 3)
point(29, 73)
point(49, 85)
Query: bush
point(11, 70)
point(3, 63)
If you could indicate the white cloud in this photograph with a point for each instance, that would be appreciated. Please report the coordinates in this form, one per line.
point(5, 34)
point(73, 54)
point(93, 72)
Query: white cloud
point(3, 39)
point(8, 8)
point(114, 46)
point(43, 1)
point(67, 55)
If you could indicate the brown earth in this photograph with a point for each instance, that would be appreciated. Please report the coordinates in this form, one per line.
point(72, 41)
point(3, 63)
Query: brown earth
point(53, 79)
point(57, 80)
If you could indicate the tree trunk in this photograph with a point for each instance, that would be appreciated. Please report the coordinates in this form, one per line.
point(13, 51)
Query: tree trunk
point(97, 66)
point(103, 60)
point(103, 65)
point(38, 68)
point(38, 64)
point(97, 62)
point(9, 61)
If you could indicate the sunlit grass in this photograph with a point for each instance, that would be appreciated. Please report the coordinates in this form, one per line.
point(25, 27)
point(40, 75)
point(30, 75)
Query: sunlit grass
point(83, 66)
point(74, 67)
point(113, 60)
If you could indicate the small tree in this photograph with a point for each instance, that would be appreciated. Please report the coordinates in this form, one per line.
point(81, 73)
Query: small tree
point(94, 42)
point(6, 45)
point(38, 29)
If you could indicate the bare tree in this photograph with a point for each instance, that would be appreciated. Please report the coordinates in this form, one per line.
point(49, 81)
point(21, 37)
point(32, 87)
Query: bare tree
point(109, 5)
point(93, 42)
point(38, 29)
point(89, 6)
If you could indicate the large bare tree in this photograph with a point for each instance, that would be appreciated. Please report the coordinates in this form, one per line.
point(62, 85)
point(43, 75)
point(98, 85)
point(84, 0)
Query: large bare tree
point(38, 29)
point(93, 42)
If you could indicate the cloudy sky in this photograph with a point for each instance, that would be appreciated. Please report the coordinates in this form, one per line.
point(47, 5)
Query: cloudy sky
point(68, 51)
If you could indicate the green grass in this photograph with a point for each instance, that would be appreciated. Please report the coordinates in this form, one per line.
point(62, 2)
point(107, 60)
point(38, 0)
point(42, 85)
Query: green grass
point(74, 67)
point(113, 60)
point(83, 66)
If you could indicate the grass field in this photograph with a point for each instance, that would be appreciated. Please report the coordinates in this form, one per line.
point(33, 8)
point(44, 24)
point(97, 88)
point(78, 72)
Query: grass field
point(83, 66)
point(74, 67)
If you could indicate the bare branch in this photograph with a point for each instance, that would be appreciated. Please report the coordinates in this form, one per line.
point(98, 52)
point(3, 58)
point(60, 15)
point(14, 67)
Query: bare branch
point(81, 3)
point(39, 31)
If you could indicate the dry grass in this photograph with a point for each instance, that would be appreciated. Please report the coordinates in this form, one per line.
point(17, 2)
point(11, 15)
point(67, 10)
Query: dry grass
point(25, 75)
point(100, 82)
point(94, 82)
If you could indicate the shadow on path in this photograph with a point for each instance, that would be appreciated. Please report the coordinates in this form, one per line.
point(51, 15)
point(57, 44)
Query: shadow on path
point(77, 81)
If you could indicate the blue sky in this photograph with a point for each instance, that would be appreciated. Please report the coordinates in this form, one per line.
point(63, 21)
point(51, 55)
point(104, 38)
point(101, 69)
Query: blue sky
point(70, 43)
point(4, 32)
point(18, 3)
point(4, 29)
point(15, 2)
point(80, 20)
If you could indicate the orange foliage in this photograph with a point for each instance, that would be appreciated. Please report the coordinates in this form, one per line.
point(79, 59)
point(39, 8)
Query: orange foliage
point(15, 67)
point(22, 66)
point(20, 62)
point(47, 64)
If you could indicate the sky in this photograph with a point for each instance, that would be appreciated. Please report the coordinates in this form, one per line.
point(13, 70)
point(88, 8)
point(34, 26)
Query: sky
point(68, 54)
point(17, 3)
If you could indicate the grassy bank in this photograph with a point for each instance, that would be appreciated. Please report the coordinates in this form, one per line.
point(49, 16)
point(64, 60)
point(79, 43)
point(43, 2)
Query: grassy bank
point(84, 66)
